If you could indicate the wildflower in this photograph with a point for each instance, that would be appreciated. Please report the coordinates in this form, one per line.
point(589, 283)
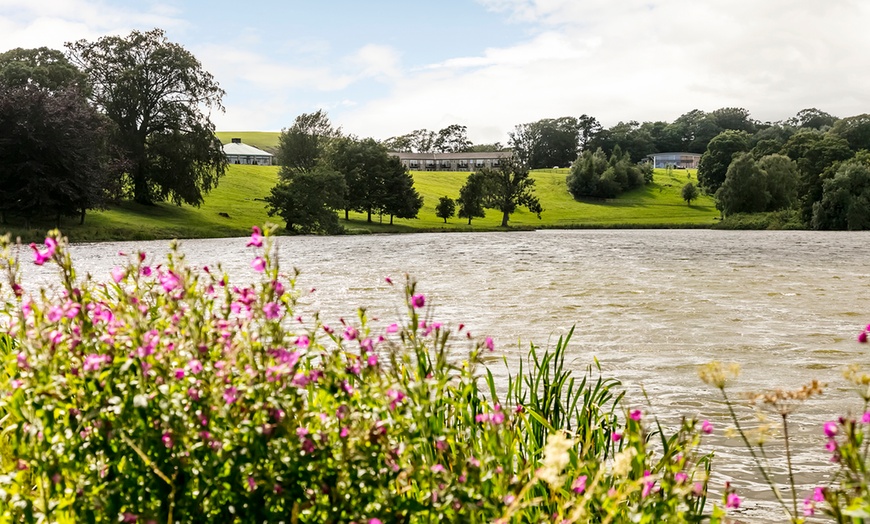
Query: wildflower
point(556, 457)
point(167, 440)
point(715, 374)
point(831, 445)
point(509, 499)
point(680, 477)
point(41, 257)
point(489, 344)
point(272, 310)
point(21, 358)
point(392, 328)
point(732, 501)
point(230, 395)
point(388, 280)
point(94, 362)
point(350, 333)
point(54, 314)
point(418, 301)
point(259, 264)
point(372, 360)
point(375, 521)
point(437, 468)
point(579, 484)
point(118, 274)
point(635, 415)
point(615, 436)
point(819, 494)
point(251, 484)
point(809, 508)
point(278, 287)
point(647, 485)
point(169, 281)
point(179, 374)
point(129, 517)
point(862, 337)
point(830, 428)
point(706, 427)
point(302, 341)
point(256, 238)
point(145, 271)
point(344, 432)
point(865, 419)
point(194, 366)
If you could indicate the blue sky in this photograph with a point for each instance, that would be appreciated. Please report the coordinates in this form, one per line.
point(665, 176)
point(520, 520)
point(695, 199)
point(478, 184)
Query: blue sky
point(382, 68)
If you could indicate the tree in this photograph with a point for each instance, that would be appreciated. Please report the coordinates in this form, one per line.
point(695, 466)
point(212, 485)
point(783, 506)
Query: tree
point(587, 128)
point(446, 208)
point(845, 202)
point(508, 187)
point(815, 153)
point(689, 193)
point(735, 118)
point(546, 143)
point(53, 153)
point(308, 200)
point(158, 95)
point(452, 139)
point(43, 68)
point(744, 188)
point(715, 161)
point(471, 198)
point(812, 118)
point(593, 175)
point(397, 196)
point(304, 145)
point(856, 131)
point(780, 181)
point(696, 129)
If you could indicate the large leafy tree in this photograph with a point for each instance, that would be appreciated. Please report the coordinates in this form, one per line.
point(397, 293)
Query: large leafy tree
point(306, 143)
point(815, 153)
point(52, 153)
point(744, 188)
point(41, 68)
point(452, 139)
point(781, 181)
point(508, 187)
point(715, 161)
point(470, 199)
point(308, 200)
point(845, 202)
point(397, 196)
point(547, 143)
point(160, 98)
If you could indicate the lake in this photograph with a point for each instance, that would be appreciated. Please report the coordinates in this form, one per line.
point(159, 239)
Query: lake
point(651, 305)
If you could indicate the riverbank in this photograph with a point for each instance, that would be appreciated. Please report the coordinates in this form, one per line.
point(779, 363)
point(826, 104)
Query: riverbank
point(237, 204)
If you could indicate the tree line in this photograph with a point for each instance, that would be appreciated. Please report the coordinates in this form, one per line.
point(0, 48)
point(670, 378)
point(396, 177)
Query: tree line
point(110, 119)
point(324, 172)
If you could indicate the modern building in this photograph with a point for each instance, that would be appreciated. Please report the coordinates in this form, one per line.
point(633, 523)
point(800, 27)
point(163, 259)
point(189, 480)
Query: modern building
point(451, 161)
point(678, 160)
point(239, 153)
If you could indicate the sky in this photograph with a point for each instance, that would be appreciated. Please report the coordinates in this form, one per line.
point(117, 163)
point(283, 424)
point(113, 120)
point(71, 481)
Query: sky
point(383, 68)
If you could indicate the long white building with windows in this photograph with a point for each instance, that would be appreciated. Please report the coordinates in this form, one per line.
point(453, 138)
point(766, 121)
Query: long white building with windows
point(452, 161)
point(239, 153)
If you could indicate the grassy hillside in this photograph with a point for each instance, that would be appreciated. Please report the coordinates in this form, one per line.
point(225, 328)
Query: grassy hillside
point(265, 140)
point(237, 203)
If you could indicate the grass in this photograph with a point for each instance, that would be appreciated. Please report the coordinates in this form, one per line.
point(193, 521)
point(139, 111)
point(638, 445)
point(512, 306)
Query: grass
point(240, 195)
point(265, 140)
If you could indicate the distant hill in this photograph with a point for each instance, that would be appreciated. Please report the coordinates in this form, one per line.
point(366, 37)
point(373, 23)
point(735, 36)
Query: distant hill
point(265, 140)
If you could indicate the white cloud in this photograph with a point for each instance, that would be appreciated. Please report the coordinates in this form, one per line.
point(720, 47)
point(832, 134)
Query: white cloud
point(641, 60)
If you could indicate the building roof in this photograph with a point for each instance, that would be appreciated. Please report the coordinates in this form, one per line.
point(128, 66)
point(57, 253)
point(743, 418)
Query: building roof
point(452, 156)
point(243, 150)
point(683, 153)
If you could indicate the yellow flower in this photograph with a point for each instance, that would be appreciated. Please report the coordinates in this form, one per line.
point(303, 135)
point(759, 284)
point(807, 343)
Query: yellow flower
point(717, 374)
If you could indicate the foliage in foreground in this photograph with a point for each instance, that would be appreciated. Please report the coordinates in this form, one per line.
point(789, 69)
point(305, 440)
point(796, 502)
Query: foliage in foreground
point(170, 394)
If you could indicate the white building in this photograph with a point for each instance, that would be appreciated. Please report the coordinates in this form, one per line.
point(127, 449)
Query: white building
point(452, 161)
point(239, 153)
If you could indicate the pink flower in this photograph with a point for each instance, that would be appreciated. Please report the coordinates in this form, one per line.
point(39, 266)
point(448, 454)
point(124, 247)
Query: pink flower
point(732, 501)
point(41, 257)
point(680, 477)
point(819, 494)
point(179, 374)
point(129, 517)
point(372, 360)
point(418, 301)
point(256, 238)
point(809, 508)
point(195, 366)
point(272, 310)
point(167, 440)
point(509, 499)
point(278, 287)
point(635, 415)
point(489, 344)
point(344, 432)
point(706, 427)
point(579, 484)
point(145, 271)
point(169, 281)
point(392, 328)
point(350, 333)
point(866, 418)
point(616, 437)
point(375, 521)
point(251, 484)
point(437, 468)
point(259, 264)
point(388, 280)
point(230, 395)
point(94, 362)
point(118, 274)
point(862, 337)
point(830, 428)
point(54, 314)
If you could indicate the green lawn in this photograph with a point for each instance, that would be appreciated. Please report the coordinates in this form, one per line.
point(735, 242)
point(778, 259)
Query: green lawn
point(240, 196)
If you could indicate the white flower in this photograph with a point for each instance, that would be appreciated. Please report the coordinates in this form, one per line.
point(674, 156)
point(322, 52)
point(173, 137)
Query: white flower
point(140, 401)
point(556, 457)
